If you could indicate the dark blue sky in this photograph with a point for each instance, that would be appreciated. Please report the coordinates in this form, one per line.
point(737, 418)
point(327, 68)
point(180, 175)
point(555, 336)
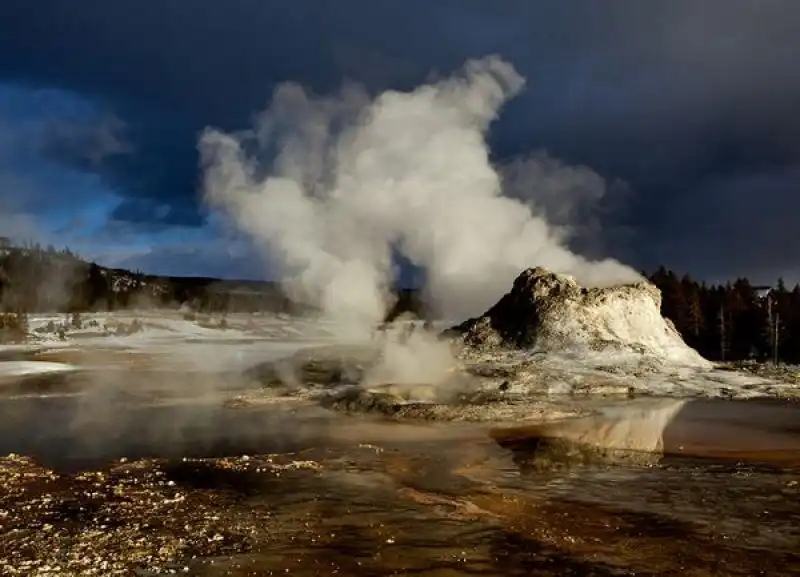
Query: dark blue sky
point(695, 104)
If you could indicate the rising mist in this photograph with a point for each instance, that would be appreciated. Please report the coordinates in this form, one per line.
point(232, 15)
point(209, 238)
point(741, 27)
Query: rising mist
point(331, 186)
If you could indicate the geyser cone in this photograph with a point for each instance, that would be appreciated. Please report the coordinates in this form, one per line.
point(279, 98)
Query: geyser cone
point(550, 312)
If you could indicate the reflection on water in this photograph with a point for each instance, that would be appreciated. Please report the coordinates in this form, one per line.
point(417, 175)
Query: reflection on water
point(392, 498)
point(379, 515)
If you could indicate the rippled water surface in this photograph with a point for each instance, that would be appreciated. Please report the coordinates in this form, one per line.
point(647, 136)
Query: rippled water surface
point(384, 498)
point(396, 513)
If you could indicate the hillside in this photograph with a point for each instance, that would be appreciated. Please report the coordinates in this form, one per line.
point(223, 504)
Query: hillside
point(735, 321)
point(39, 279)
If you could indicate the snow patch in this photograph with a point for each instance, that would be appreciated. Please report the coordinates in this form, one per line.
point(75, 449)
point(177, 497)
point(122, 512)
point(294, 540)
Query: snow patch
point(24, 368)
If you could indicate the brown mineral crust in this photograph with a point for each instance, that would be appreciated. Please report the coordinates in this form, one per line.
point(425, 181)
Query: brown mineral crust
point(146, 515)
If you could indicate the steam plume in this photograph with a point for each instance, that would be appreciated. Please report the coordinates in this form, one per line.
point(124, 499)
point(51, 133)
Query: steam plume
point(331, 186)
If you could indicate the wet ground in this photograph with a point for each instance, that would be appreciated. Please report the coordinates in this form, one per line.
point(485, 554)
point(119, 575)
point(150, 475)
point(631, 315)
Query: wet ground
point(129, 480)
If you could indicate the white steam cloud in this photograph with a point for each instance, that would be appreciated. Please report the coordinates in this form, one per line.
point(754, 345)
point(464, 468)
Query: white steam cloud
point(331, 186)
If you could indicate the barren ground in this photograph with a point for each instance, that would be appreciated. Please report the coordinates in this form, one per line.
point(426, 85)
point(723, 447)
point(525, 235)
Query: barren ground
point(149, 454)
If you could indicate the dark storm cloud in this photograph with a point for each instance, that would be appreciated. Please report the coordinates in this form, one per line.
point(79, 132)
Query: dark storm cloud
point(88, 145)
point(693, 103)
point(757, 225)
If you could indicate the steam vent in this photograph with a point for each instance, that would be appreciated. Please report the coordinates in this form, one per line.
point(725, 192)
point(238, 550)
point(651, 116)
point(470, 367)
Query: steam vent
point(551, 313)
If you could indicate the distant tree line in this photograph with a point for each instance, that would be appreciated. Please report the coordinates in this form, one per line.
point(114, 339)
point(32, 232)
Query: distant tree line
point(735, 321)
point(45, 279)
point(731, 322)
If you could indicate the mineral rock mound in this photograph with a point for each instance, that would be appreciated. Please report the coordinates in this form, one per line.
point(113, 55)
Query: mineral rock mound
point(550, 313)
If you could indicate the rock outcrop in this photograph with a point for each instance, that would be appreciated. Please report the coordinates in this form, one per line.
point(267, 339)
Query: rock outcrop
point(550, 313)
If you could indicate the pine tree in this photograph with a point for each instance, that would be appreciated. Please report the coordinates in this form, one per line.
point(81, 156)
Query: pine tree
point(695, 314)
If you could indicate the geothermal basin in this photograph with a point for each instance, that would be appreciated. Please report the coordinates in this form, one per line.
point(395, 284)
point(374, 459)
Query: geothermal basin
point(138, 459)
point(206, 487)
